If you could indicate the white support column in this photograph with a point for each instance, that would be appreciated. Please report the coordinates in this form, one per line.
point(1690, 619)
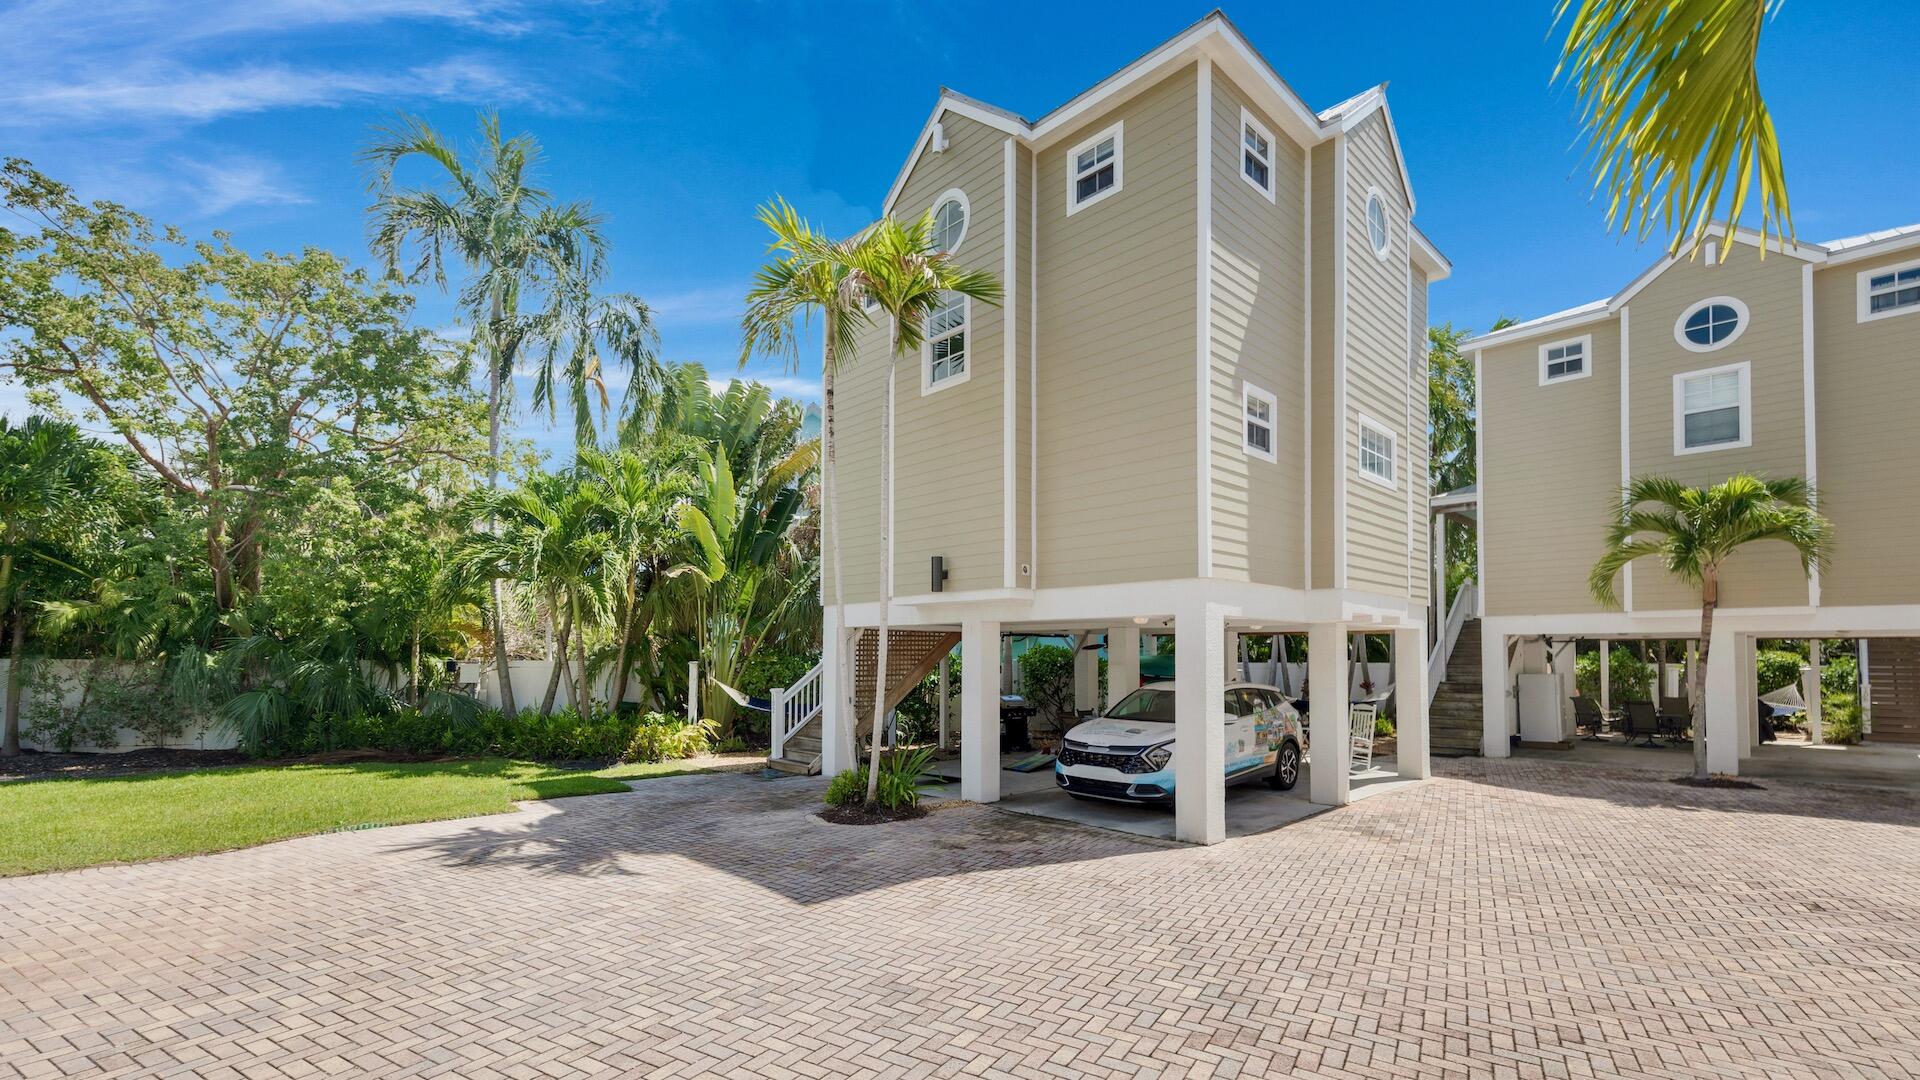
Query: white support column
point(1123, 662)
point(1086, 674)
point(693, 692)
point(1231, 650)
point(980, 711)
point(836, 692)
point(945, 694)
point(1749, 676)
point(1199, 749)
point(1410, 704)
point(1724, 737)
point(1327, 674)
point(1606, 676)
point(1810, 692)
point(1496, 687)
point(1439, 573)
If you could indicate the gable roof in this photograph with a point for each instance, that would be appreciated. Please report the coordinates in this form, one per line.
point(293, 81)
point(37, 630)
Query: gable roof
point(1216, 36)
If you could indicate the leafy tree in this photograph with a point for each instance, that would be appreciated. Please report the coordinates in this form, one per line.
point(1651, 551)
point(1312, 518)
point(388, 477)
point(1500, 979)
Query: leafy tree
point(1692, 532)
point(637, 493)
point(1669, 94)
point(533, 265)
point(908, 277)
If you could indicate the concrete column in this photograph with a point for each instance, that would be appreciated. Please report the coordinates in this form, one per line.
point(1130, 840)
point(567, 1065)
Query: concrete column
point(1123, 662)
point(945, 695)
point(1606, 676)
point(1749, 676)
point(1439, 573)
point(1496, 684)
point(836, 695)
point(1199, 750)
point(1410, 703)
point(1086, 674)
point(1327, 700)
point(1810, 691)
point(980, 711)
point(1724, 737)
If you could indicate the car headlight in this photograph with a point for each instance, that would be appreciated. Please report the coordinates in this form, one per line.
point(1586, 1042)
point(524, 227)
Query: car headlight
point(1158, 756)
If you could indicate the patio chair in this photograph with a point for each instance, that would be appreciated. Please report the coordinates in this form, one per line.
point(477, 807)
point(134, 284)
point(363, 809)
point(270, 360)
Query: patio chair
point(1360, 727)
point(1642, 723)
point(1587, 714)
point(1676, 716)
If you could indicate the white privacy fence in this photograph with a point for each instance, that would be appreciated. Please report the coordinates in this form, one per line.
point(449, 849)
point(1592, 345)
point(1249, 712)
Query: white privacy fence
point(62, 685)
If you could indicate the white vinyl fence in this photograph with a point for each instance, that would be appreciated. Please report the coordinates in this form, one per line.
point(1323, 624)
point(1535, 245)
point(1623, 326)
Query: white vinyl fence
point(201, 733)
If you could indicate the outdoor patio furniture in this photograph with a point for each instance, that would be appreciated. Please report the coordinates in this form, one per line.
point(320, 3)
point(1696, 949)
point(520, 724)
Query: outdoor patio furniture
point(1676, 716)
point(1360, 743)
point(1642, 723)
point(1587, 714)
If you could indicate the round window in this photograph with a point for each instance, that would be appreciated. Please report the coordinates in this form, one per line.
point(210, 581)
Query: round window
point(950, 222)
point(1377, 233)
point(1711, 323)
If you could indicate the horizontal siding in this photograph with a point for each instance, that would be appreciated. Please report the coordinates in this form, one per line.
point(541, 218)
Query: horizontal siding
point(856, 411)
point(1866, 383)
point(1420, 542)
point(1258, 328)
point(1550, 472)
point(1116, 456)
point(1024, 391)
point(1324, 237)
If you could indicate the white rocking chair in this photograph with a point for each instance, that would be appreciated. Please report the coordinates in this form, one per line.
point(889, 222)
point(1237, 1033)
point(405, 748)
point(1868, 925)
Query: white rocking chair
point(1360, 727)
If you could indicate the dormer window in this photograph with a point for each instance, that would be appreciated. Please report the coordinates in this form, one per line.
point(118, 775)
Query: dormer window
point(1095, 169)
point(1256, 154)
point(1562, 361)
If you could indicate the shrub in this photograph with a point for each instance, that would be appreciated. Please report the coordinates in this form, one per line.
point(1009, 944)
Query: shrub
point(902, 774)
point(1840, 719)
point(1777, 668)
point(1839, 675)
point(660, 737)
point(105, 700)
point(848, 788)
point(1046, 678)
point(1629, 675)
point(917, 717)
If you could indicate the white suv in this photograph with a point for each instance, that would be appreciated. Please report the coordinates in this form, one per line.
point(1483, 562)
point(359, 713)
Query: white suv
point(1127, 755)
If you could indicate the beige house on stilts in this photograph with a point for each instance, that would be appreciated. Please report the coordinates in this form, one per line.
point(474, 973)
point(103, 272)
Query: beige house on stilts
point(1200, 411)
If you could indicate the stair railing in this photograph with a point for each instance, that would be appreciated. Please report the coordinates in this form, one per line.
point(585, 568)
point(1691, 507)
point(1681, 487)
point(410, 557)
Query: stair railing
point(1465, 606)
point(794, 707)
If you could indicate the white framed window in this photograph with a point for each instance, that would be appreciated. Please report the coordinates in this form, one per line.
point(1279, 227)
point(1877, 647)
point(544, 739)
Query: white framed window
point(1094, 168)
point(1889, 291)
point(1564, 361)
point(1257, 431)
point(1256, 154)
point(945, 360)
point(950, 213)
point(1713, 409)
point(1379, 235)
point(1711, 324)
point(1377, 445)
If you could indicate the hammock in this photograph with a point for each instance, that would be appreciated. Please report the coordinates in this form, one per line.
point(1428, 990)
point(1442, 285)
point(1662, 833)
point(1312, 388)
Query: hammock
point(1785, 701)
point(757, 704)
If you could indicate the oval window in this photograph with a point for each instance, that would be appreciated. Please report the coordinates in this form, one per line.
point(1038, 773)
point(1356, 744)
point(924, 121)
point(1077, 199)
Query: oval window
point(1711, 323)
point(950, 222)
point(1377, 233)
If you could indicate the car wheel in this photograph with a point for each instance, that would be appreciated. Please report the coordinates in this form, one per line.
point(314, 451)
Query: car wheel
point(1286, 770)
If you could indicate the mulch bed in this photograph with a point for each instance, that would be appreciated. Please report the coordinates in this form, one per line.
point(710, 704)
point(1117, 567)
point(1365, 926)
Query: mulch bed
point(862, 814)
point(32, 765)
point(1717, 782)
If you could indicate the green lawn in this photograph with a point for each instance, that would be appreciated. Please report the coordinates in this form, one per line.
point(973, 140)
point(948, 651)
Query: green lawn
point(67, 824)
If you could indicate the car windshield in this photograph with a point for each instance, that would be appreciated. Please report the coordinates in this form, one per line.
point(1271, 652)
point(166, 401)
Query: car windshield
point(1145, 703)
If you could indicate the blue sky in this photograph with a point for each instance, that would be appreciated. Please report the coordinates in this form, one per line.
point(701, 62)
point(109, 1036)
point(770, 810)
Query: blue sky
point(675, 120)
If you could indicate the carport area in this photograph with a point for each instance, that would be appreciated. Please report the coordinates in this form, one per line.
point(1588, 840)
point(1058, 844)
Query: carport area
point(1325, 666)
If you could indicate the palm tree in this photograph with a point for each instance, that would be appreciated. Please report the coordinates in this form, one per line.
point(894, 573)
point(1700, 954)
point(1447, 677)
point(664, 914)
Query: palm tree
point(909, 277)
point(637, 494)
point(811, 276)
point(1693, 531)
point(532, 266)
point(1669, 93)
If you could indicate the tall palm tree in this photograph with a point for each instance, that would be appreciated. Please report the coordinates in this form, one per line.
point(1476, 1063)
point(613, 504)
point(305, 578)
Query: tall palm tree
point(811, 276)
point(1693, 531)
point(637, 495)
point(1669, 93)
point(532, 266)
point(909, 276)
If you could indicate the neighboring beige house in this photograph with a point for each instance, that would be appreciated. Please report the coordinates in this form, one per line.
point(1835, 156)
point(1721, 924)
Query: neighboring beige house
point(1200, 409)
point(1806, 363)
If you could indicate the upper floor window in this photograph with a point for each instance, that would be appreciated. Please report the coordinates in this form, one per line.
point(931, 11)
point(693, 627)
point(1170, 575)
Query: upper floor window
point(1377, 234)
point(1710, 324)
point(1890, 290)
point(1256, 154)
point(950, 220)
point(1564, 360)
point(1259, 407)
point(946, 350)
point(1712, 409)
point(1095, 171)
point(1376, 451)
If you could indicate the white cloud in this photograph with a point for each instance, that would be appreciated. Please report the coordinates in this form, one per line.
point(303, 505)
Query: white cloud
point(720, 304)
point(788, 386)
point(220, 184)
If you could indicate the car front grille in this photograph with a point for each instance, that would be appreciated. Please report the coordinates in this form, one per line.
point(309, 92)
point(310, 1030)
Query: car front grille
point(1112, 789)
point(1130, 762)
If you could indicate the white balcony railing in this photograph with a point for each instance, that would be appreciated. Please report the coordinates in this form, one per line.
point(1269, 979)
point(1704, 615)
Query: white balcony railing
point(793, 708)
point(1465, 606)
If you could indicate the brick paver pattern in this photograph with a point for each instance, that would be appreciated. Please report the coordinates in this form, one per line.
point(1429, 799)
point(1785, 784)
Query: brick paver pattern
point(1510, 918)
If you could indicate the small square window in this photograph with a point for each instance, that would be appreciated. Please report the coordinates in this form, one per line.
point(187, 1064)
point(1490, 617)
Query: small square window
point(1712, 409)
point(1376, 452)
point(1257, 426)
point(1256, 154)
point(1561, 361)
point(1095, 169)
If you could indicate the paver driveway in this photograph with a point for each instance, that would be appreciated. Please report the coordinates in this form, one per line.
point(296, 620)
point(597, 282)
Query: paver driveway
point(1509, 918)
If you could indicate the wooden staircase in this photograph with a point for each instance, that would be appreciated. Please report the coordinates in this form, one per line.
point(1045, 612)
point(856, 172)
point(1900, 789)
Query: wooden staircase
point(911, 656)
point(1454, 720)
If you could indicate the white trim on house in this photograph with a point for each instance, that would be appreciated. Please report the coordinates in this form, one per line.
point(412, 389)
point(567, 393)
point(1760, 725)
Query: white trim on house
point(1203, 308)
point(1376, 197)
point(1250, 394)
point(1864, 291)
point(1680, 380)
point(1370, 426)
point(1306, 382)
point(1742, 315)
point(1626, 442)
point(1009, 365)
point(954, 194)
point(1481, 486)
point(1437, 265)
point(1117, 132)
point(1341, 229)
point(1248, 120)
point(1585, 341)
point(1033, 367)
point(1406, 418)
point(1809, 413)
point(928, 385)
